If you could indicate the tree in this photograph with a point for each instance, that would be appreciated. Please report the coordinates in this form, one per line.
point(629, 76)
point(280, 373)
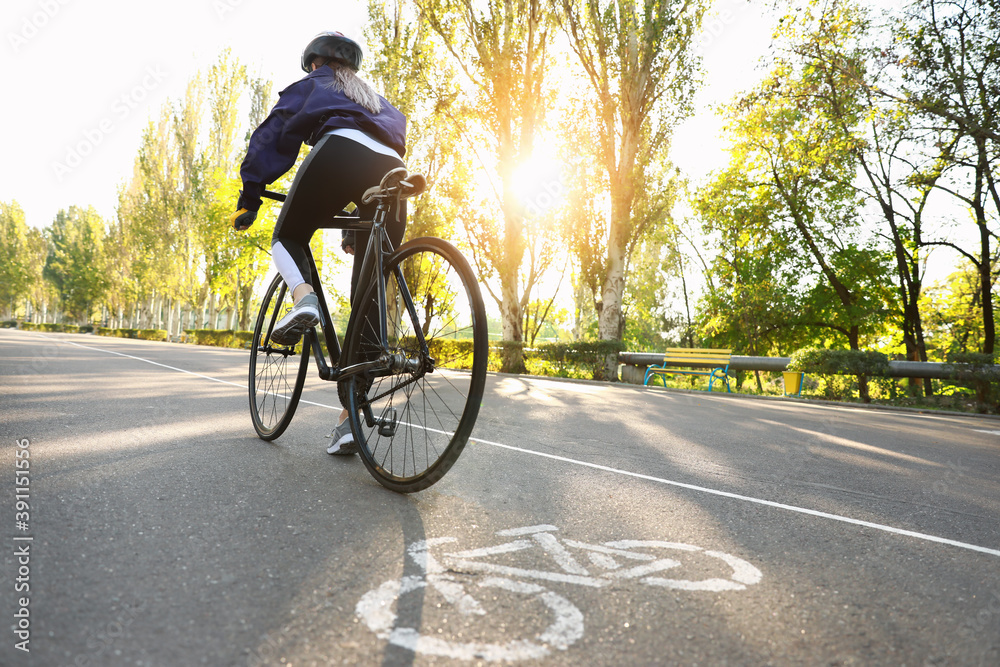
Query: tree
point(77, 264)
point(951, 67)
point(501, 48)
point(15, 260)
point(754, 303)
point(640, 62)
point(793, 163)
point(840, 44)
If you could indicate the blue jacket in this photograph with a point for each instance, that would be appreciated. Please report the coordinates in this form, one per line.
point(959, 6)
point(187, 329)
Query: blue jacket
point(306, 110)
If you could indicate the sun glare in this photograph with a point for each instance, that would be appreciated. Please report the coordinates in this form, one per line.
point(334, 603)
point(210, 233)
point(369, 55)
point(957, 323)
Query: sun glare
point(538, 183)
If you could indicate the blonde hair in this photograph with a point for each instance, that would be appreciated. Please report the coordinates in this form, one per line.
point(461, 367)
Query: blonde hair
point(345, 80)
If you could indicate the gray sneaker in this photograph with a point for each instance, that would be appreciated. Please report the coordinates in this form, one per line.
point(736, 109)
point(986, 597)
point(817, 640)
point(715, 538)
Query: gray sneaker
point(297, 321)
point(343, 440)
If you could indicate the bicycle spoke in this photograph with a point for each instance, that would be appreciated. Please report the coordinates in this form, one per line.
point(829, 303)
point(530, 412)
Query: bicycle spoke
point(433, 411)
point(277, 374)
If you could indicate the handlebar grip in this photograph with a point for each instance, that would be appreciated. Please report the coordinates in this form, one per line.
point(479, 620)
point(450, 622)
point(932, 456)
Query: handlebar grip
point(277, 196)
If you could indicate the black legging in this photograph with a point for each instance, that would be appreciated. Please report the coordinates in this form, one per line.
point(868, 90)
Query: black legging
point(335, 173)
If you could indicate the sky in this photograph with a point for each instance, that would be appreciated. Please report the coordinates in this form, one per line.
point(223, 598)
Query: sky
point(82, 80)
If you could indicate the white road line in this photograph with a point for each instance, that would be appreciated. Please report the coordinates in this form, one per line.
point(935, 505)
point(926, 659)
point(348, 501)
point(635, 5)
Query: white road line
point(749, 499)
point(181, 370)
point(627, 473)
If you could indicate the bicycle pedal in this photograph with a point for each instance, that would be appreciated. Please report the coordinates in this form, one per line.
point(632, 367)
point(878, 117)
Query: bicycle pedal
point(387, 423)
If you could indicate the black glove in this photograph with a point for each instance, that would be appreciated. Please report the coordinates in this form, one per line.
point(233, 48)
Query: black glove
point(246, 211)
point(242, 219)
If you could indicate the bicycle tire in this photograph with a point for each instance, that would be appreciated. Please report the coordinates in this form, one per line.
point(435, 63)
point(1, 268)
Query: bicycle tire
point(274, 394)
point(420, 416)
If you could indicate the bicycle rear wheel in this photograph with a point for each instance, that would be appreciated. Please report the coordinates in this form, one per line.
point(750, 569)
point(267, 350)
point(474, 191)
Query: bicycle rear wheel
point(277, 372)
point(412, 417)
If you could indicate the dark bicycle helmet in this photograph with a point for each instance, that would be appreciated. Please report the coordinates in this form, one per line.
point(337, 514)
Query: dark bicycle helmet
point(332, 46)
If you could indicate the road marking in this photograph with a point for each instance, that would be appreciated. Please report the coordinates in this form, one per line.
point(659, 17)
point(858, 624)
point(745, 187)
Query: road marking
point(181, 370)
point(375, 609)
point(626, 473)
point(990, 432)
point(749, 499)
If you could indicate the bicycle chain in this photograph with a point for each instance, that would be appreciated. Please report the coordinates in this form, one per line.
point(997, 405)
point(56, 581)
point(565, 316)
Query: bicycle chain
point(394, 389)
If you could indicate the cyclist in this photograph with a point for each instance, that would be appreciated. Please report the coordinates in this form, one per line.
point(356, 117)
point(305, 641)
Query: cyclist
point(357, 136)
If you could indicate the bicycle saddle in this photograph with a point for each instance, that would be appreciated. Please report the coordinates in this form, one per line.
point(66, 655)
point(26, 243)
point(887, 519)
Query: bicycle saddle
point(396, 183)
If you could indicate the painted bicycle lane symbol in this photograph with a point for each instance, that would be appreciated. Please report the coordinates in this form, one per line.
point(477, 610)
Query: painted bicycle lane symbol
point(592, 565)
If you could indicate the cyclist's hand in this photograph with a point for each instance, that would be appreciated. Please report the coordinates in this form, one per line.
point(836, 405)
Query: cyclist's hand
point(242, 219)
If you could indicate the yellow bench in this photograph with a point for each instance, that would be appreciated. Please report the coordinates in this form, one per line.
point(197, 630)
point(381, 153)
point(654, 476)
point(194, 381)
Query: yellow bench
point(686, 357)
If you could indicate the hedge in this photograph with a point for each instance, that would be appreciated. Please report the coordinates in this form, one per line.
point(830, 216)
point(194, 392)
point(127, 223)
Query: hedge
point(140, 334)
point(863, 364)
point(580, 359)
point(220, 337)
point(839, 362)
point(981, 372)
point(52, 327)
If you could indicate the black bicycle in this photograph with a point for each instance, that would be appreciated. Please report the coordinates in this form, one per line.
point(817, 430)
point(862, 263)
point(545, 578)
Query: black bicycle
point(412, 367)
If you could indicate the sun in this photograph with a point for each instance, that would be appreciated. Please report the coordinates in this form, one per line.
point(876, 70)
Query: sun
point(538, 182)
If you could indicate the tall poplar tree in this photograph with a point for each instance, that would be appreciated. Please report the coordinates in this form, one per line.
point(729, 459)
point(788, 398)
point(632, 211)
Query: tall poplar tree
point(639, 58)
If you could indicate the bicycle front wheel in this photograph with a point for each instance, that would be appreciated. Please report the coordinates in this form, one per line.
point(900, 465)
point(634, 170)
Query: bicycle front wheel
point(413, 415)
point(277, 372)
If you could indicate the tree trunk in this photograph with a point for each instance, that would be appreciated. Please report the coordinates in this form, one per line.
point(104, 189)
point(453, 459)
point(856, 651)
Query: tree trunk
point(170, 317)
point(513, 249)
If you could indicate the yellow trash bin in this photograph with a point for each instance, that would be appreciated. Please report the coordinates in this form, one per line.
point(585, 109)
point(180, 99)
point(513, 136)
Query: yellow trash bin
point(793, 383)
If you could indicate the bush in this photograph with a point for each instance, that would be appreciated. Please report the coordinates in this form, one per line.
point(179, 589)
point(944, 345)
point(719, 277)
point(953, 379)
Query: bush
point(140, 334)
point(451, 353)
point(116, 333)
point(52, 327)
point(839, 362)
point(863, 364)
point(152, 334)
point(220, 337)
point(981, 373)
point(9, 324)
point(587, 358)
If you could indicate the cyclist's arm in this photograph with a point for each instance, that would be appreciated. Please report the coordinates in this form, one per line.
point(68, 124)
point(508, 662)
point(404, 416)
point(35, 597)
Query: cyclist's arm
point(274, 145)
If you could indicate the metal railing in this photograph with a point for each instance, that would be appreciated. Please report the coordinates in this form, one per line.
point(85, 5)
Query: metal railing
point(635, 363)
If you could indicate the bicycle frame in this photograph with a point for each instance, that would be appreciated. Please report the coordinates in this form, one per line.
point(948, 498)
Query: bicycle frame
point(372, 267)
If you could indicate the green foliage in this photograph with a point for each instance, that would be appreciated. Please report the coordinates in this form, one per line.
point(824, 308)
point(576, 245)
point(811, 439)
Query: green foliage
point(954, 318)
point(140, 334)
point(16, 266)
point(839, 362)
point(450, 353)
point(576, 359)
point(220, 337)
point(77, 263)
point(980, 372)
point(641, 73)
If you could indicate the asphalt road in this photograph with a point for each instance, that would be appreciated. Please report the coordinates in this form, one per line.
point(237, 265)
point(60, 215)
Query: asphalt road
point(586, 524)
